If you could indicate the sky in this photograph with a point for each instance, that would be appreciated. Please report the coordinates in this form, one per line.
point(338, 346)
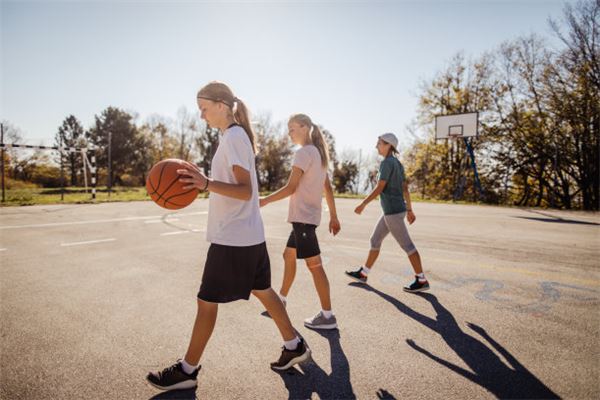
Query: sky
point(355, 67)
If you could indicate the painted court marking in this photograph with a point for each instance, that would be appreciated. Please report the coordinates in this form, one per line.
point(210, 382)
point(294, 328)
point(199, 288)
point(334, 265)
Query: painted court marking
point(3, 249)
point(87, 242)
point(98, 221)
point(182, 232)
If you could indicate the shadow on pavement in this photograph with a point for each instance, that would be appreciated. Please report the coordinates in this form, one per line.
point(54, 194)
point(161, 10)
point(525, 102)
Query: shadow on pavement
point(383, 394)
point(489, 371)
point(188, 394)
point(310, 378)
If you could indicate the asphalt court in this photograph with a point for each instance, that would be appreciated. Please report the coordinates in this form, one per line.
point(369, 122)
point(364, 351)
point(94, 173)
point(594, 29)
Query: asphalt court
point(93, 296)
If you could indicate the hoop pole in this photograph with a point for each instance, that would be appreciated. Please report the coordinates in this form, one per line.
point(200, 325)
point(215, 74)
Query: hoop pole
point(474, 166)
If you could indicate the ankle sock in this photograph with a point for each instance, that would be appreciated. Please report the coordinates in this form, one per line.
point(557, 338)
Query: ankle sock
point(187, 367)
point(292, 344)
point(365, 271)
point(421, 277)
point(327, 314)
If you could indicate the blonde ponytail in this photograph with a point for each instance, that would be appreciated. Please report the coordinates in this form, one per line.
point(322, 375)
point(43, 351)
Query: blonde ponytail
point(220, 92)
point(319, 142)
point(316, 137)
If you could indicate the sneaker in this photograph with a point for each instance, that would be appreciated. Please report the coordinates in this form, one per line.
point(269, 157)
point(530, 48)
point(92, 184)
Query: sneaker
point(173, 378)
point(357, 275)
point(289, 358)
point(320, 322)
point(417, 286)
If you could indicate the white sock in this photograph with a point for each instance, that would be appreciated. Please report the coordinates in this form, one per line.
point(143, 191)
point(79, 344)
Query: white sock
point(365, 270)
point(421, 277)
point(292, 344)
point(282, 297)
point(327, 314)
point(187, 368)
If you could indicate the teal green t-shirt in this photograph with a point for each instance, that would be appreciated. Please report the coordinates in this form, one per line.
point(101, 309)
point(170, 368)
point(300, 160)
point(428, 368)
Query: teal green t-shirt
point(392, 197)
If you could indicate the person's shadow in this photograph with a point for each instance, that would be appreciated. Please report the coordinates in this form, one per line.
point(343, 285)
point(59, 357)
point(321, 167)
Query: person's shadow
point(310, 378)
point(489, 371)
point(187, 394)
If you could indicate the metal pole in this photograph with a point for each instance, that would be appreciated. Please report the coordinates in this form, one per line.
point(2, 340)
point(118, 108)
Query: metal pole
point(2, 142)
point(94, 174)
point(477, 182)
point(109, 163)
point(62, 174)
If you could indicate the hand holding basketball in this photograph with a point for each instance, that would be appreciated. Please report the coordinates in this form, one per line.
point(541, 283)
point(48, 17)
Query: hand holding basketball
point(192, 177)
point(165, 189)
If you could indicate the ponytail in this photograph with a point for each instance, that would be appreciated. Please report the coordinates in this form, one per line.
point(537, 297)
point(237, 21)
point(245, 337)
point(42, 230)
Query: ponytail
point(220, 92)
point(316, 137)
point(240, 115)
point(319, 142)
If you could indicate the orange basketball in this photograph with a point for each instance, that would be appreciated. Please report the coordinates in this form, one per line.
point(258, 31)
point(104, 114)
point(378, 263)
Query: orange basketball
point(164, 188)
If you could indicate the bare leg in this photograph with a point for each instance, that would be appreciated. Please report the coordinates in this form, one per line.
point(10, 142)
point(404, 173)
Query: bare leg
point(206, 317)
point(315, 267)
point(415, 260)
point(371, 258)
point(276, 310)
point(289, 273)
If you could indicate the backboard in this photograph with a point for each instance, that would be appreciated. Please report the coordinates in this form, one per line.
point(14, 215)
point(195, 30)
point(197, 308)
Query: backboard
point(456, 125)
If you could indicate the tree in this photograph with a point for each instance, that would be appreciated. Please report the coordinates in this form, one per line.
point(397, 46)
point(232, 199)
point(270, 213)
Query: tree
point(124, 141)
point(71, 134)
point(273, 161)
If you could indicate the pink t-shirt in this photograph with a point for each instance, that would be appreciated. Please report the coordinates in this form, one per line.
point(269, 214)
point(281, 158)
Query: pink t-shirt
point(305, 203)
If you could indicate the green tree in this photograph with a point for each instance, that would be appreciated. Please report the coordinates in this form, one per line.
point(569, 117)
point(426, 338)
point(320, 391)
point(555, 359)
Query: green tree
point(71, 134)
point(124, 142)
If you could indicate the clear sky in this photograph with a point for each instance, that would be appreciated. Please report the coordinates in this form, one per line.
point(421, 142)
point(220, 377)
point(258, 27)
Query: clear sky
point(354, 66)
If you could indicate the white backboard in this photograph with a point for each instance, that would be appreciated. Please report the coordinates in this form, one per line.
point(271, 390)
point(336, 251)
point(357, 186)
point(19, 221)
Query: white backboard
point(456, 125)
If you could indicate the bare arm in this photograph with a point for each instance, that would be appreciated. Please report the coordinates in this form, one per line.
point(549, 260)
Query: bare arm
point(287, 190)
point(410, 215)
point(373, 195)
point(334, 223)
point(241, 190)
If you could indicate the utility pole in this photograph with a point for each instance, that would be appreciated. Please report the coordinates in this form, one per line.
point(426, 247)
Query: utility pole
point(2, 155)
point(109, 163)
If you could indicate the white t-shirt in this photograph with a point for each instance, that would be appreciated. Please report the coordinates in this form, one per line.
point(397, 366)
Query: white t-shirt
point(305, 202)
point(234, 222)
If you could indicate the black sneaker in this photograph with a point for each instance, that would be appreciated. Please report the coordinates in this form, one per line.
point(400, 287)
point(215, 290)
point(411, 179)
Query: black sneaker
point(417, 286)
point(357, 275)
point(173, 378)
point(289, 358)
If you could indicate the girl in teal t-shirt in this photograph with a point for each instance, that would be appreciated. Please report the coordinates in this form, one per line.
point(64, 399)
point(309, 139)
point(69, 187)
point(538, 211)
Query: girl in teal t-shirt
point(392, 190)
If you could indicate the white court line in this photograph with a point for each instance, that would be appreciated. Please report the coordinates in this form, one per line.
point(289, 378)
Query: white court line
point(88, 242)
point(156, 221)
point(3, 249)
point(97, 221)
point(181, 232)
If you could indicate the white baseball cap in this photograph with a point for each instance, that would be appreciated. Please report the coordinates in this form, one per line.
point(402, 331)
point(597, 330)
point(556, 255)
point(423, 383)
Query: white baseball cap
point(390, 138)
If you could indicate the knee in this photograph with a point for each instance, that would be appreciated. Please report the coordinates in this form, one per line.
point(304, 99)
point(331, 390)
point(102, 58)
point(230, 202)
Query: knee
point(375, 243)
point(289, 255)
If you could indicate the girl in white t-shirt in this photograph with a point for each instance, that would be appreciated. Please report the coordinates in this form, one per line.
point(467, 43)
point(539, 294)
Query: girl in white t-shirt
point(306, 184)
point(237, 262)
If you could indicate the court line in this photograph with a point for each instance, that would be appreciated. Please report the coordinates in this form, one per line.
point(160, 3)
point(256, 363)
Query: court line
point(97, 221)
point(3, 249)
point(182, 232)
point(87, 242)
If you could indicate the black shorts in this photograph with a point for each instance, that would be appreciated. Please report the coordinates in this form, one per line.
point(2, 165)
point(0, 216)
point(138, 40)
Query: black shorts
point(304, 239)
point(232, 272)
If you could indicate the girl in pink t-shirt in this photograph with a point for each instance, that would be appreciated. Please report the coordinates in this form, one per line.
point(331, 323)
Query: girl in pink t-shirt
point(306, 184)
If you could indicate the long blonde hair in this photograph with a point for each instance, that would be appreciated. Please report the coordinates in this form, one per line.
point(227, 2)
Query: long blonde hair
point(220, 92)
point(316, 137)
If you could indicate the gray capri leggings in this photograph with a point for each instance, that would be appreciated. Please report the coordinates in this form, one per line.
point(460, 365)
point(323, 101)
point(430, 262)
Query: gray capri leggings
point(395, 224)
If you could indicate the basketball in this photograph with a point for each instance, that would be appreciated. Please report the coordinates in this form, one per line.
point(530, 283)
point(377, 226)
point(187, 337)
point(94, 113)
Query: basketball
point(164, 188)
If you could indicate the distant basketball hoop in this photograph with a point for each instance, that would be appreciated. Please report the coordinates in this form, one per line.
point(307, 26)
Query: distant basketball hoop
point(456, 126)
